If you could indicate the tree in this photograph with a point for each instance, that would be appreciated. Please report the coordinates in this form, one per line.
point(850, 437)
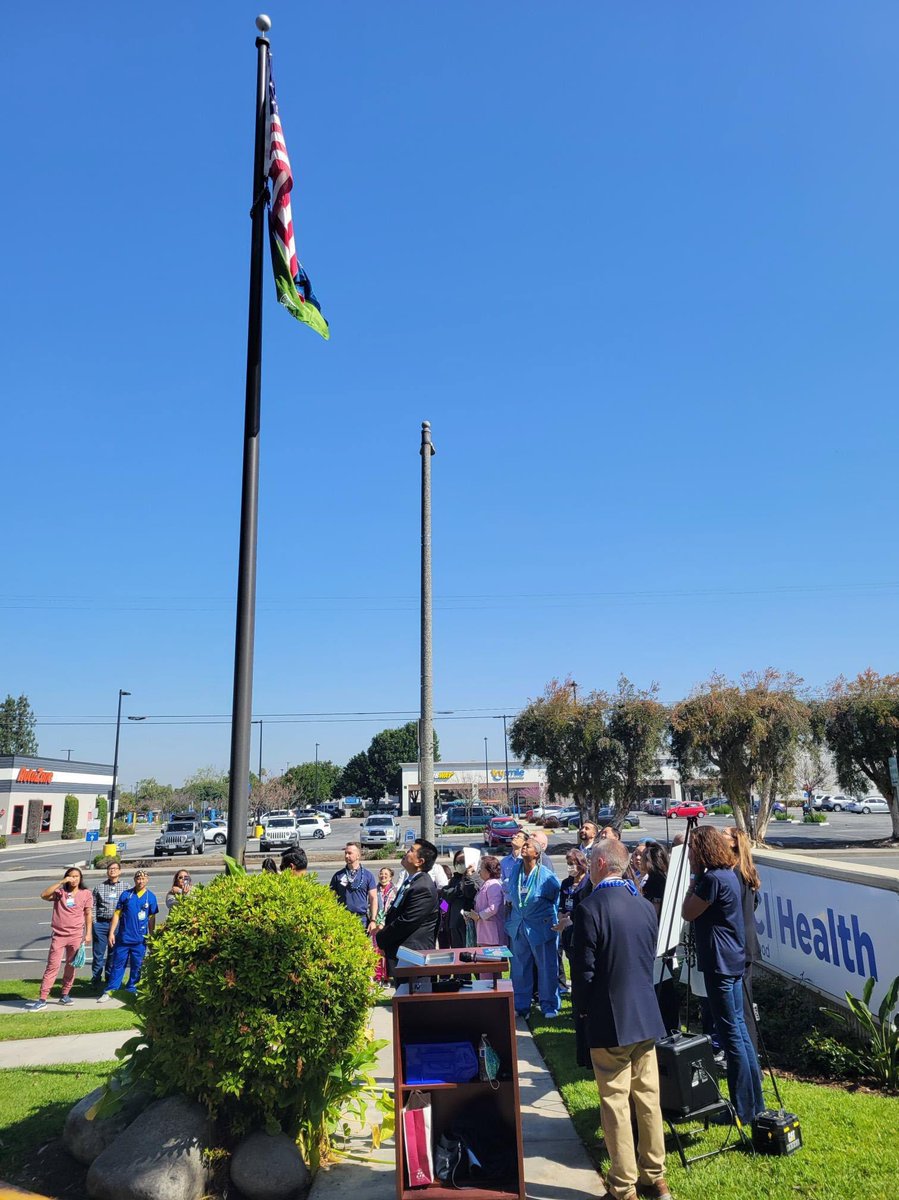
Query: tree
point(569, 738)
point(17, 727)
point(150, 796)
point(311, 782)
point(206, 788)
point(638, 723)
point(861, 727)
point(597, 749)
point(273, 793)
point(355, 778)
point(387, 751)
point(748, 732)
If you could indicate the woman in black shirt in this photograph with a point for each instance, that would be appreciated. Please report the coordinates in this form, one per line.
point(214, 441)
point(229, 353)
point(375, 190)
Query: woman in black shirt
point(750, 889)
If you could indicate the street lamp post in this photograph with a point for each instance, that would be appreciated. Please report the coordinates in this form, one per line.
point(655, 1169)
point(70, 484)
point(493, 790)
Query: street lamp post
point(315, 786)
point(68, 754)
point(486, 775)
point(109, 848)
point(506, 752)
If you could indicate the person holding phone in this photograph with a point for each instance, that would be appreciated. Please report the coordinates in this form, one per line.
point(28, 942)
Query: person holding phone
point(180, 888)
point(70, 928)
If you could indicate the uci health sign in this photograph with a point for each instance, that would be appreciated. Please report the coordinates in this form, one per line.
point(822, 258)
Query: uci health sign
point(827, 924)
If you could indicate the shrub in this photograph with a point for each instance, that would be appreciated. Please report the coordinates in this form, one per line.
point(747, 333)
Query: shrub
point(875, 1053)
point(814, 818)
point(2, 841)
point(100, 860)
point(122, 827)
point(781, 816)
point(102, 811)
point(255, 992)
point(70, 818)
point(383, 852)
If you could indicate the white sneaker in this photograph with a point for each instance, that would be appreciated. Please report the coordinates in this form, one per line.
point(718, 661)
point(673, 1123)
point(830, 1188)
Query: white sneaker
point(102, 999)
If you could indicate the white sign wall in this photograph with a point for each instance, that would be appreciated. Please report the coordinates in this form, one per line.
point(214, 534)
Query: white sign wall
point(831, 933)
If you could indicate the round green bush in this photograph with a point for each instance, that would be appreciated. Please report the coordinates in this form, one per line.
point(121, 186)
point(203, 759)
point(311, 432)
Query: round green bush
point(254, 990)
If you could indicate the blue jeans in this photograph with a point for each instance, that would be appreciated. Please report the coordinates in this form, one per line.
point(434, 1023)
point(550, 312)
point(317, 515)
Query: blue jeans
point(131, 956)
point(525, 957)
point(102, 952)
point(744, 1079)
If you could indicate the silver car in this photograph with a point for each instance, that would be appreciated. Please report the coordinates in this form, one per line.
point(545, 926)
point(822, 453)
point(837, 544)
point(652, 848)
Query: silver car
point(870, 804)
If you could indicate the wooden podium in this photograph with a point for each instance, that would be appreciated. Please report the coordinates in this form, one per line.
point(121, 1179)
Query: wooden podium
point(486, 1007)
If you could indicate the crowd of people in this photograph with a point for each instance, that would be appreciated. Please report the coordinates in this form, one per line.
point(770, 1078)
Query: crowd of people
point(602, 917)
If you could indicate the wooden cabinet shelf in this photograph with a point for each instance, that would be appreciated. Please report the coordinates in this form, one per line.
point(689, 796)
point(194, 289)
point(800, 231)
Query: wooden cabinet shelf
point(491, 1108)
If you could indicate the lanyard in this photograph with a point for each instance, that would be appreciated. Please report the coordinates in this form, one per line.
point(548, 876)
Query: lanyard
point(614, 883)
point(526, 884)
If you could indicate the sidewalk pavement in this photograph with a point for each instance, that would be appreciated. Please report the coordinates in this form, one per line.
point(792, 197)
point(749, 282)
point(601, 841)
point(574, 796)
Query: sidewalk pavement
point(67, 1048)
point(556, 1164)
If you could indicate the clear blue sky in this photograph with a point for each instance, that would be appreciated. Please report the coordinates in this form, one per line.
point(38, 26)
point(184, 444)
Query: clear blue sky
point(637, 264)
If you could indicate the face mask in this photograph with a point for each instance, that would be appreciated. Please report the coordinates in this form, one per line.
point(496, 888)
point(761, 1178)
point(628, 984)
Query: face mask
point(459, 868)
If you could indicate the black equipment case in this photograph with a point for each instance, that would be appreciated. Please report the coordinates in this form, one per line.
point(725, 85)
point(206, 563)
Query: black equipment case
point(688, 1078)
point(776, 1132)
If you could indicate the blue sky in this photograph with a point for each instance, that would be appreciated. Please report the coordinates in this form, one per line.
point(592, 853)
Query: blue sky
point(637, 265)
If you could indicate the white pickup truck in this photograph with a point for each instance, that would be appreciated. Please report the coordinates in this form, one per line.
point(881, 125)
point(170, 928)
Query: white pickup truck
point(379, 831)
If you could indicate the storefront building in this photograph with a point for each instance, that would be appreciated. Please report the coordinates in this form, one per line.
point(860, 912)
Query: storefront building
point(33, 791)
point(486, 782)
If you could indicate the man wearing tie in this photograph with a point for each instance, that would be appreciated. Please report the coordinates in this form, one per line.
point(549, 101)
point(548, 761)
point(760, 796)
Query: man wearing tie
point(413, 917)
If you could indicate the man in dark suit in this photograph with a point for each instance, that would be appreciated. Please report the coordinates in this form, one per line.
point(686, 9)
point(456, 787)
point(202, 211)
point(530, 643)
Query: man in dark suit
point(613, 950)
point(413, 917)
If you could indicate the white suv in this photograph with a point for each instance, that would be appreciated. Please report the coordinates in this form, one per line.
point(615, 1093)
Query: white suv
point(379, 831)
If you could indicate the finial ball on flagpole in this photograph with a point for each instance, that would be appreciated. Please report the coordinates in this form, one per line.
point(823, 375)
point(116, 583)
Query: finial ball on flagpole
point(263, 23)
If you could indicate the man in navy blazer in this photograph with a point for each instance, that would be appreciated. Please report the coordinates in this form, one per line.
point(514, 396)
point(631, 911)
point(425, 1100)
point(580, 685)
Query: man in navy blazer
point(613, 951)
point(534, 895)
point(413, 917)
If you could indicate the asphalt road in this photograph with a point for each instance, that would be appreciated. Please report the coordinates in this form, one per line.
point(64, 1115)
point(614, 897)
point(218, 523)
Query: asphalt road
point(25, 871)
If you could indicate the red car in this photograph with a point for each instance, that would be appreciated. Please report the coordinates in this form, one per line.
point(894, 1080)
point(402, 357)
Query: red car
point(500, 831)
point(686, 810)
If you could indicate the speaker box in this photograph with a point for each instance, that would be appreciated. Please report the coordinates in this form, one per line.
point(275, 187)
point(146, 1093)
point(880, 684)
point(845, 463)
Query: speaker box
point(688, 1078)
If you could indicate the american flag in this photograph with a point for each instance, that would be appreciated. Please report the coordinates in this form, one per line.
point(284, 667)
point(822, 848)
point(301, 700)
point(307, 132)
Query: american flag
point(280, 216)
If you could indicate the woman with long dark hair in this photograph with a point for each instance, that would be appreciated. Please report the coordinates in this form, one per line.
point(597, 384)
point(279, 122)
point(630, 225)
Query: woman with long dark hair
point(653, 865)
point(715, 906)
point(70, 929)
point(750, 891)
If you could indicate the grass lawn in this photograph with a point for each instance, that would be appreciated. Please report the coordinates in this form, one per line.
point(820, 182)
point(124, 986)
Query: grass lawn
point(54, 1020)
point(34, 1103)
point(849, 1137)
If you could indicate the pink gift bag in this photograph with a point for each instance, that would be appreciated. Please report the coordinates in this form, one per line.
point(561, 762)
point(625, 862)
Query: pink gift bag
point(417, 1139)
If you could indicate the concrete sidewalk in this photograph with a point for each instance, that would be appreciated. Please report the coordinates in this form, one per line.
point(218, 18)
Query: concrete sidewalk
point(556, 1165)
point(67, 1048)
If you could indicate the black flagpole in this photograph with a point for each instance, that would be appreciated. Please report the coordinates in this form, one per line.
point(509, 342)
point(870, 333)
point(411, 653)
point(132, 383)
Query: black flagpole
point(242, 708)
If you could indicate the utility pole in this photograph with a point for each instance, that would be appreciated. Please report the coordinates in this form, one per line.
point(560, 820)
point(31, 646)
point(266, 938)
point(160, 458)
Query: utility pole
point(506, 750)
point(486, 775)
point(426, 725)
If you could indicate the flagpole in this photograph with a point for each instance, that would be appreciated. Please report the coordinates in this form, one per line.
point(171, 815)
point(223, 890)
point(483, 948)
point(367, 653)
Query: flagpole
point(241, 712)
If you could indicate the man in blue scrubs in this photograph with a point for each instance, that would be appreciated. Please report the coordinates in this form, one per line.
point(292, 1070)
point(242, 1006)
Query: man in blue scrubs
point(132, 923)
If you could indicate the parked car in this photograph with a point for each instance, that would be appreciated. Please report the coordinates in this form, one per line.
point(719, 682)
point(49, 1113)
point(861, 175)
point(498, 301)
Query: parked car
point(717, 804)
point(550, 816)
point(835, 803)
point(215, 833)
point(316, 826)
point(532, 814)
point(474, 816)
point(500, 831)
point(690, 809)
point(331, 809)
point(379, 831)
point(869, 804)
point(570, 816)
point(275, 814)
point(607, 815)
point(656, 806)
point(279, 833)
point(180, 837)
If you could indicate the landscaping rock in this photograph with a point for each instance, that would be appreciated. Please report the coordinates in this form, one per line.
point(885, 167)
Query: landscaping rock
point(158, 1157)
point(267, 1167)
point(85, 1139)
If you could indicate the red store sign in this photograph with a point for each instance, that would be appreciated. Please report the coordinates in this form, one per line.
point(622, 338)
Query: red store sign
point(30, 775)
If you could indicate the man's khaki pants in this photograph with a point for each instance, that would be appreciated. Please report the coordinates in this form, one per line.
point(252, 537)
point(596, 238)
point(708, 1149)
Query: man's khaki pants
point(625, 1074)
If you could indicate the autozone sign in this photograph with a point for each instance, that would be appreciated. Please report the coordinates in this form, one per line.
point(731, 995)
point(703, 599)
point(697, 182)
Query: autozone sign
point(32, 775)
